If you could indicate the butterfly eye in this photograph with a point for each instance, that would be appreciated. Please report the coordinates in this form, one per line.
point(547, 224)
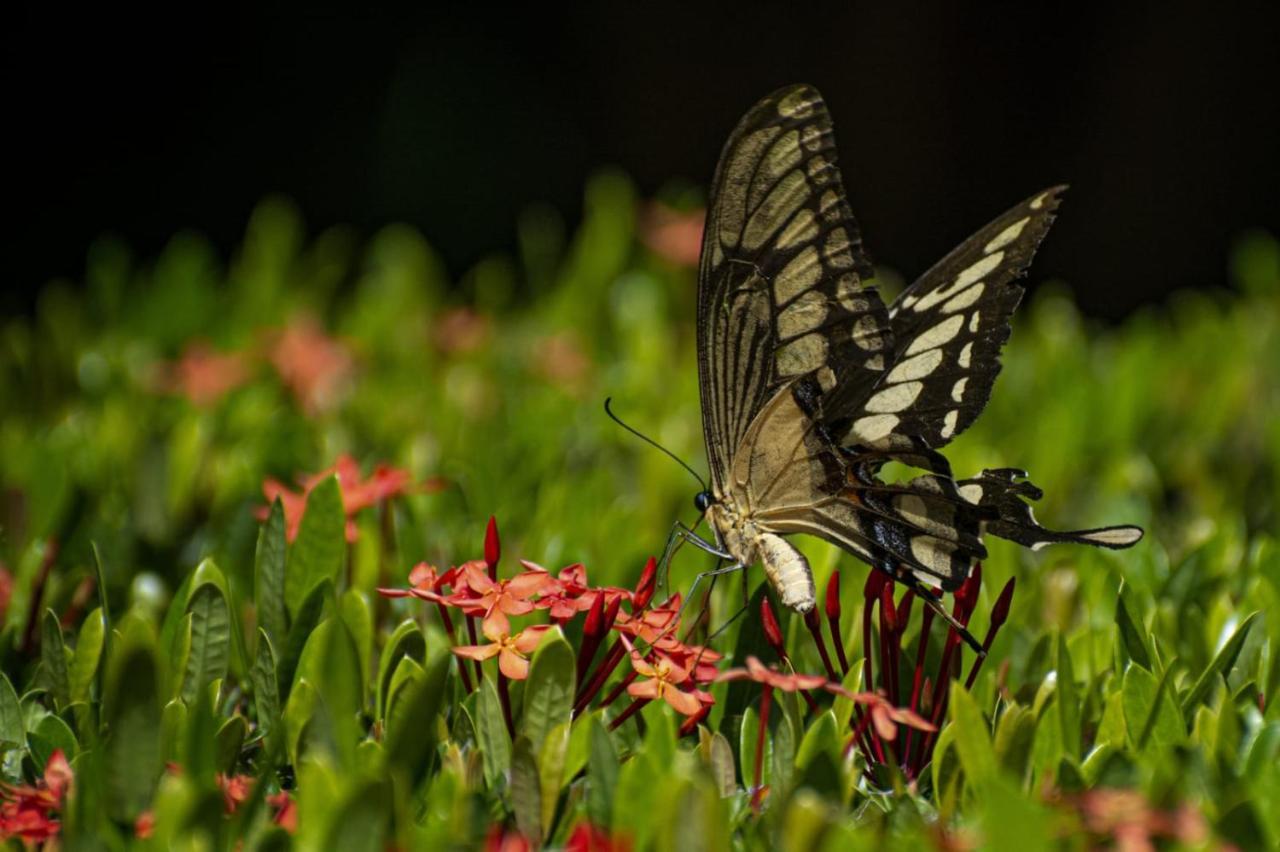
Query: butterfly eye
point(702, 501)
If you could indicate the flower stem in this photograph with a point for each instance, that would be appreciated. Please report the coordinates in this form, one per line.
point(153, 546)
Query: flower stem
point(766, 700)
point(628, 713)
point(504, 695)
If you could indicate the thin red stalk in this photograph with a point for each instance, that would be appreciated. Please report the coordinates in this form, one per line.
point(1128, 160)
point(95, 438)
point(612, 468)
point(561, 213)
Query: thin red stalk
point(504, 695)
point(815, 630)
point(860, 721)
point(492, 548)
point(999, 613)
point(867, 682)
point(631, 710)
point(833, 621)
point(620, 688)
point(766, 700)
point(890, 633)
point(917, 679)
point(37, 595)
point(471, 631)
point(592, 634)
point(598, 679)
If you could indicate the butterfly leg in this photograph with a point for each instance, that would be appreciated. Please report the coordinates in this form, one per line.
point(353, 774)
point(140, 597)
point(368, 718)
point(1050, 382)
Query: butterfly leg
point(679, 535)
point(934, 602)
point(713, 574)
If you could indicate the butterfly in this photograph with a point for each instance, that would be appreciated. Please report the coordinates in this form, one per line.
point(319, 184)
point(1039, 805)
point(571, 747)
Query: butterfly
point(810, 384)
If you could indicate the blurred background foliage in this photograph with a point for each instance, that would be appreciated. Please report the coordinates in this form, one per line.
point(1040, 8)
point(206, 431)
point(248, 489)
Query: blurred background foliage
point(144, 408)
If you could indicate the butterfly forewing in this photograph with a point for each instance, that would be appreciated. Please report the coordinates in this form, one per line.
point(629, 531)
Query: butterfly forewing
point(949, 327)
point(779, 286)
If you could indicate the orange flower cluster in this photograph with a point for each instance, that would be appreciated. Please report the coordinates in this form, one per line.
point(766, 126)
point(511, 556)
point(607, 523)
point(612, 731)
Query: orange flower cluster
point(383, 484)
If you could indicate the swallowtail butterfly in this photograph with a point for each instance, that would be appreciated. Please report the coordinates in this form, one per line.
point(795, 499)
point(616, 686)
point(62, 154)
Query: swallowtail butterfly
point(809, 384)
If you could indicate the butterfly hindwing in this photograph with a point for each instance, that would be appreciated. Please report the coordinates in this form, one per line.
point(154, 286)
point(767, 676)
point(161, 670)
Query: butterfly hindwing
point(948, 328)
point(779, 286)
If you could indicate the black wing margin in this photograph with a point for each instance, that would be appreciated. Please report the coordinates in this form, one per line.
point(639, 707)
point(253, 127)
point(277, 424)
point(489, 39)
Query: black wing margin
point(779, 284)
point(948, 328)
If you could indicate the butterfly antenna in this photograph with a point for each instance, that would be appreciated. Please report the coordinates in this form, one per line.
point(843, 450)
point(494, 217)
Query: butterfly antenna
point(643, 437)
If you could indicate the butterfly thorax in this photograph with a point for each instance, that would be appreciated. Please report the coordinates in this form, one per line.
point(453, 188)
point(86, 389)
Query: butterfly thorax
point(744, 540)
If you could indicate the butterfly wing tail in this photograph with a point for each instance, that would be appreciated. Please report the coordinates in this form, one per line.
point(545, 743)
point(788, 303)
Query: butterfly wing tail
point(1003, 494)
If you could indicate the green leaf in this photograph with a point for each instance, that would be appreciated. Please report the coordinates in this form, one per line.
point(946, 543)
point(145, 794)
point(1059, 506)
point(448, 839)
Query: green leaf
point(1015, 736)
point(269, 574)
point(230, 739)
point(51, 734)
point(551, 761)
point(723, 769)
point(1012, 820)
point(1149, 712)
point(821, 736)
point(321, 546)
point(602, 775)
point(491, 735)
point(297, 715)
point(266, 690)
point(173, 727)
point(1220, 666)
point(53, 653)
point(210, 640)
point(88, 654)
point(1068, 702)
point(357, 615)
point(133, 717)
point(548, 692)
point(362, 818)
point(973, 741)
point(304, 622)
point(412, 732)
point(526, 791)
point(406, 641)
point(1129, 620)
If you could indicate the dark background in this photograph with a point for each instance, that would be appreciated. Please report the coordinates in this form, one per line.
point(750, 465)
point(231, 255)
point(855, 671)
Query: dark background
point(1163, 118)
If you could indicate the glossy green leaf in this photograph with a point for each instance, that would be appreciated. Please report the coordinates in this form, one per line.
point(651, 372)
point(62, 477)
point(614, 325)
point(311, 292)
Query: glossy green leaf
point(269, 574)
point(1015, 736)
point(602, 774)
point(405, 641)
point(491, 736)
point(361, 820)
point(133, 756)
point(53, 654)
point(551, 763)
point(51, 734)
point(1219, 667)
point(973, 741)
point(88, 654)
point(230, 738)
point(320, 549)
point(173, 727)
point(526, 790)
point(412, 734)
point(1149, 710)
point(1068, 702)
point(266, 691)
point(548, 691)
point(210, 640)
point(1132, 633)
point(304, 622)
point(13, 729)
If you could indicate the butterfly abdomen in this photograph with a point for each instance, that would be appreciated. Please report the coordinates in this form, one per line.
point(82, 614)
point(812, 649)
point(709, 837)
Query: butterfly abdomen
point(788, 571)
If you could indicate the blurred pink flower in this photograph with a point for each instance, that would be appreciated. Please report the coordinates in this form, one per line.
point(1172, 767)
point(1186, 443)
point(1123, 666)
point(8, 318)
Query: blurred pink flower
point(316, 367)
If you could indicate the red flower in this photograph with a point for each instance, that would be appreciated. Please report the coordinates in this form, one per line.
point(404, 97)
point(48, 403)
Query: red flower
point(315, 367)
point(673, 235)
point(589, 838)
point(512, 651)
point(652, 625)
point(286, 815)
point(884, 716)
point(425, 583)
point(144, 825)
point(501, 840)
point(496, 599)
point(26, 810)
point(760, 673)
point(204, 376)
point(235, 789)
point(385, 483)
point(570, 594)
point(664, 680)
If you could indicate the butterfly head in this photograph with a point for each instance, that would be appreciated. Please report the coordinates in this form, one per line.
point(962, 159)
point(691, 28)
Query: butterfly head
point(702, 501)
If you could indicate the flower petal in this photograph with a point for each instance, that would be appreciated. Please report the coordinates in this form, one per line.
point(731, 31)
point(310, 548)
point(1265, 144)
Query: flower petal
point(685, 703)
point(477, 652)
point(513, 665)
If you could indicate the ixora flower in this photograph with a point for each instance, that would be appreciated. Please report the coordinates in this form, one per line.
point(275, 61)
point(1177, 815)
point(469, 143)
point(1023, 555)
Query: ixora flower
point(204, 376)
point(312, 364)
point(760, 673)
point(383, 484)
point(494, 600)
point(591, 838)
point(664, 679)
point(29, 812)
point(512, 651)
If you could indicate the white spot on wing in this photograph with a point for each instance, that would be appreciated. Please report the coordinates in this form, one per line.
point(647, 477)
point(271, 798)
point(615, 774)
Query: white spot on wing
point(957, 390)
point(974, 321)
point(1007, 236)
point(978, 270)
point(1115, 537)
point(804, 314)
point(936, 336)
point(949, 423)
point(802, 355)
point(1038, 201)
point(870, 430)
point(894, 398)
point(971, 492)
point(916, 367)
point(964, 299)
point(965, 354)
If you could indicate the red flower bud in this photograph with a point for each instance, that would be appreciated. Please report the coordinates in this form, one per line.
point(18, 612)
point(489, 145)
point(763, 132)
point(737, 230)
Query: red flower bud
point(611, 612)
point(887, 608)
point(772, 632)
point(646, 586)
point(594, 625)
point(833, 596)
point(875, 582)
point(492, 547)
point(1000, 611)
